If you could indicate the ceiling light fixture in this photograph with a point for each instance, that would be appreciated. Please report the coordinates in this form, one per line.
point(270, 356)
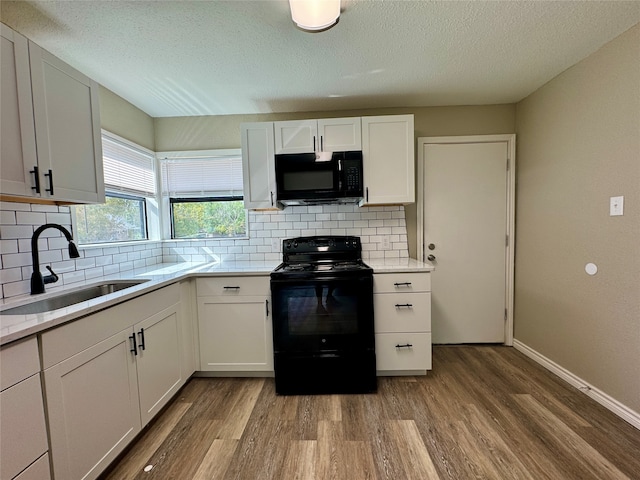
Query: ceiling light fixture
point(315, 15)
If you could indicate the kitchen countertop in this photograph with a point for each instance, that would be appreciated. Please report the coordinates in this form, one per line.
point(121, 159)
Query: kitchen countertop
point(16, 327)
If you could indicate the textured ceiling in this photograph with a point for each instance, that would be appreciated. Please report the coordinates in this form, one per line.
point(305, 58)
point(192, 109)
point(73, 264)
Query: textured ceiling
point(178, 58)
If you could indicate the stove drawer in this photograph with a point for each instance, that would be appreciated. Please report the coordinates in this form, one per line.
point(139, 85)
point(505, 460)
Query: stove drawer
point(397, 312)
point(401, 282)
point(398, 353)
point(233, 286)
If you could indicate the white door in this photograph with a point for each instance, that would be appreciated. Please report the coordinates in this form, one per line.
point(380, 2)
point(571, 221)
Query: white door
point(466, 195)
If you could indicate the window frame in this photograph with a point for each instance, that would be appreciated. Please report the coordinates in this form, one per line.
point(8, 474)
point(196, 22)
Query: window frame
point(152, 220)
point(166, 201)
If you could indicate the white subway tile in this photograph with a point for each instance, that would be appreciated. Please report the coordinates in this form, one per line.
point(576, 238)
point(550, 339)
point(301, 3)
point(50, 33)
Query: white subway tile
point(59, 218)
point(72, 277)
point(82, 263)
point(9, 232)
point(16, 288)
point(24, 207)
point(11, 260)
point(9, 246)
point(31, 218)
point(8, 217)
point(11, 274)
point(35, 207)
point(93, 273)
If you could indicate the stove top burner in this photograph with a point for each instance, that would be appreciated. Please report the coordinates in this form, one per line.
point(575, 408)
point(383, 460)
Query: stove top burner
point(321, 256)
point(321, 267)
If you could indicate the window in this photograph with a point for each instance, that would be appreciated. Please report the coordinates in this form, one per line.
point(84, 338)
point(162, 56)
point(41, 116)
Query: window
point(204, 194)
point(130, 185)
point(121, 219)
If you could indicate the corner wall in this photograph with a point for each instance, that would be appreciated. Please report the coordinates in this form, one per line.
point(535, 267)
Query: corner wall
point(579, 144)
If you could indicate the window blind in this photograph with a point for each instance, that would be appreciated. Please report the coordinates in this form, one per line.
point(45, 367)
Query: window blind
point(127, 169)
point(202, 176)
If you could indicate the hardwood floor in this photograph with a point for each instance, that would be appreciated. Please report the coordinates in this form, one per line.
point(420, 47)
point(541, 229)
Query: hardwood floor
point(483, 412)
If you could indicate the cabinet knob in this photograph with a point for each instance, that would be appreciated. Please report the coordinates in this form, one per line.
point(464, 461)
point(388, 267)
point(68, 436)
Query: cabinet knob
point(431, 258)
point(431, 246)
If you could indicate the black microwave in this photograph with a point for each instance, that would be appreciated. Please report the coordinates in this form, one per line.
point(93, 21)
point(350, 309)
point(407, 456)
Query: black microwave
point(316, 178)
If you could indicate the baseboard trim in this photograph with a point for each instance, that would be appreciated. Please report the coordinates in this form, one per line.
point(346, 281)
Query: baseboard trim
point(598, 395)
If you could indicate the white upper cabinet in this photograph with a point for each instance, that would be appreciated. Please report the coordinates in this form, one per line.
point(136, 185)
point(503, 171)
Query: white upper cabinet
point(68, 136)
point(18, 160)
point(324, 135)
point(388, 159)
point(258, 167)
point(51, 144)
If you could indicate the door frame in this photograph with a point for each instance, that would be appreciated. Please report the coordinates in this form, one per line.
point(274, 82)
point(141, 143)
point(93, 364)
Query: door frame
point(510, 139)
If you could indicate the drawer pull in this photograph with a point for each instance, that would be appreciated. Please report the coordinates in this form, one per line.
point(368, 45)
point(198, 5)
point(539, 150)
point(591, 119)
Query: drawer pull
point(231, 288)
point(406, 345)
point(406, 305)
point(402, 284)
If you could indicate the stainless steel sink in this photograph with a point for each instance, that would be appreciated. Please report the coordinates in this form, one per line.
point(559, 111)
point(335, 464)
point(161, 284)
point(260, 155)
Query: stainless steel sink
point(70, 298)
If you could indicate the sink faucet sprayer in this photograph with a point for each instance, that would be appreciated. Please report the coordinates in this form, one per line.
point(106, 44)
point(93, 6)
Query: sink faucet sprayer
point(37, 280)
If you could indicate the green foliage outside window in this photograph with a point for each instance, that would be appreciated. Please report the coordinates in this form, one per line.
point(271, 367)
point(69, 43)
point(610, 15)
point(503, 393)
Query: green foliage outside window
point(208, 219)
point(120, 219)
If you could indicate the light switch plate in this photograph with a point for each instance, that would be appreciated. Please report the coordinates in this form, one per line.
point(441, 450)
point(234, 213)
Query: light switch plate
point(616, 206)
point(275, 244)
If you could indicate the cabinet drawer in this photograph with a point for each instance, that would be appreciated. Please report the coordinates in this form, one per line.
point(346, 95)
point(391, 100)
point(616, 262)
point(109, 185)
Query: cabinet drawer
point(23, 435)
point(402, 312)
point(18, 361)
point(391, 356)
point(232, 286)
point(38, 470)
point(401, 282)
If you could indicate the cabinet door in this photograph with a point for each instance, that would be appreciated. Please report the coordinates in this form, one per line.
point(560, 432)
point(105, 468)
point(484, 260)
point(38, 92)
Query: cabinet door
point(296, 136)
point(92, 404)
point(258, 167)
point(67, 122)
point(17, 135)
point(159, 358)
point(23, 435)
point(388, 159)
point(340, 134)
point(235, 334)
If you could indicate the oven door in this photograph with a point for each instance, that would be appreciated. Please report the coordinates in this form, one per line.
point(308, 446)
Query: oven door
point(323, 314)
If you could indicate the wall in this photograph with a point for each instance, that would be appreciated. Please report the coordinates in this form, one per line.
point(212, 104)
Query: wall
point(122, 118)
point(211, 132)
point(578, 143)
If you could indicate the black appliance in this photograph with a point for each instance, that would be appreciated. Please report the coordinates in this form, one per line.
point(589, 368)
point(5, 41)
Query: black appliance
point(323, 332)
point(324, 177)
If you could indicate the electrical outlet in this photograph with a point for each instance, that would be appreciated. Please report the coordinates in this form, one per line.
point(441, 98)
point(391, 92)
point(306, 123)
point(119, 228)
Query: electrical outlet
point(616, 206)
point(386, 243)
point(275, 244)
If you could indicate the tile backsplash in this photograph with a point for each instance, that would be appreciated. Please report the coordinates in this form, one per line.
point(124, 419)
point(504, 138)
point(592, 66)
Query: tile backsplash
point(382, 230)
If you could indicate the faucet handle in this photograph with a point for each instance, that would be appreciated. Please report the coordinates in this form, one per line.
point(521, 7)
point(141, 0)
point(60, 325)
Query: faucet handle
point(53, 278)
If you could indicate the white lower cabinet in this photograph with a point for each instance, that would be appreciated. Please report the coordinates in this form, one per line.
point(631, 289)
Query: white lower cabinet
point(23, 434)
point(107, 375)
point(234, 323)
point(402, 306)
point(92, 401)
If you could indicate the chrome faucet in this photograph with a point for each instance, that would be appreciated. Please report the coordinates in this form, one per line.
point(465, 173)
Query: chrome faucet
point(37, 280)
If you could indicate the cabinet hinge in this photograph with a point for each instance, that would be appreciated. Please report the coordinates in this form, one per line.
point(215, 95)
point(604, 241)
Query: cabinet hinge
point(508, 164)
point(505, 315)
point(506, 241)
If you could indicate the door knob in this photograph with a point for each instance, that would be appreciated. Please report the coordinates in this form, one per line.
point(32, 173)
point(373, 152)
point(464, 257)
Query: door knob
point(431, 246)
point(431, 258)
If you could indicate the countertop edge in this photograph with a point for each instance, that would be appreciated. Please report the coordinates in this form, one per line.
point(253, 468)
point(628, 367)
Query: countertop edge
point(158, 276)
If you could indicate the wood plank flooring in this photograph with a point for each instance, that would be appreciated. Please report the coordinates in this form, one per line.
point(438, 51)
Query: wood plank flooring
point(483, 412)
